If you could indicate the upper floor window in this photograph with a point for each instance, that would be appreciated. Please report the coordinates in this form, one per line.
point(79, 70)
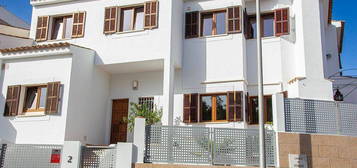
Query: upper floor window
point(267, 25)
point(230, 21)
point(124, 19)
point(132, 19)
point(272, 24)
point(35, 99)
point(61, 27)
point(213, 23)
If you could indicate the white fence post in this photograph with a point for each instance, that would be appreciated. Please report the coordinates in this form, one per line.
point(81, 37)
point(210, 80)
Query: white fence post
point(139, 140)
point(278, 112)
point(124, 156)
point(71, 154)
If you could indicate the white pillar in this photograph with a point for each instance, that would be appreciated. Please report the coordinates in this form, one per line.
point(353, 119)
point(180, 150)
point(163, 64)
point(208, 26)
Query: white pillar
point(139, 140)
point(168, 91)
point(71, 154)
point(124, 156)
point(278, 112)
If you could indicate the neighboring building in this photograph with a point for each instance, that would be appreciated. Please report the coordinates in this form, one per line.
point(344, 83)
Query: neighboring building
point(14, 32)
point(194, 59)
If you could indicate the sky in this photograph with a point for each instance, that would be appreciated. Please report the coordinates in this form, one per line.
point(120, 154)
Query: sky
point(341, 11)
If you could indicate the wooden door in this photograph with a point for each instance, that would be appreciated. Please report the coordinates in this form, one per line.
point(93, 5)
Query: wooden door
point(119, 127)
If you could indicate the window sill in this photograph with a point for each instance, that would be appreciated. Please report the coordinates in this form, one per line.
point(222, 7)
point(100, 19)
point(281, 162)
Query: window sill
point(32, 114)
point(58, 40)
point(117, 35)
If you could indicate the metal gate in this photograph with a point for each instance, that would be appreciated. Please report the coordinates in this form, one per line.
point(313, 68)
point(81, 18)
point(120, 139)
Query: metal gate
point(202, 145)
point(98, 157)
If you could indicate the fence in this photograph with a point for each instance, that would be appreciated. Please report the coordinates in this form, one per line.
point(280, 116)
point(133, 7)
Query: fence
point(98, 157)
point(202, 145)
point(322, 117)
point(29, 156)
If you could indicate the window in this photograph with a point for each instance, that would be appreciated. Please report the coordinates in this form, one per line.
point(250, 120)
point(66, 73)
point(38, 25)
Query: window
point(25, 99)
point(132, 19)
point(126, 19)
point(213, 23)
point(254, 110)
point(267, 25)
point(62, 27)
point(148, 101)
point(35, 99)
point(213, 108)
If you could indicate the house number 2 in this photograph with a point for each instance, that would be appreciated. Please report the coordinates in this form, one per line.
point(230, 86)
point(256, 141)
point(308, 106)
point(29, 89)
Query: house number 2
point(69, 159)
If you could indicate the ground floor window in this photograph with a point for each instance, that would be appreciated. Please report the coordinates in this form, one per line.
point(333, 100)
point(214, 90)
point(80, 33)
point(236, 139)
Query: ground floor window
point(213, 108)
point(148, 101)
point(35, 99)
point(254, 110)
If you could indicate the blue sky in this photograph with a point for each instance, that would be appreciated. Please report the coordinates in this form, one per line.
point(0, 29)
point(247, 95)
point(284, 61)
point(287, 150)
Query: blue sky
point(342, 11)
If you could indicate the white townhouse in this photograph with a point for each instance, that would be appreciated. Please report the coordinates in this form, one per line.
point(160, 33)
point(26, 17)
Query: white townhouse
point(195, 59)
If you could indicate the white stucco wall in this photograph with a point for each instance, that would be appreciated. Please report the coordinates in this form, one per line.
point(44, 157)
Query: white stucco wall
point(88, 94)
point(49, 129)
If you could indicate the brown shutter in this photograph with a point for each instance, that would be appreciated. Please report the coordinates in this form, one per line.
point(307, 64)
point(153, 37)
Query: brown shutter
point(281, 22)
point(248, 114)
point(234, 19)
point(191, 25)
point(42, 28)
point(12, 100)
point(151, 14)
point(53, 95)
point(234, 106)
point(79, 19)
point(246, 24)
point(110, 20)
point(190, 108)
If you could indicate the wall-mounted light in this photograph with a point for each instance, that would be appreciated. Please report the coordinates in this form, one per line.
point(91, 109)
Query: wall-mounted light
point(135, 85)
point(338, 95)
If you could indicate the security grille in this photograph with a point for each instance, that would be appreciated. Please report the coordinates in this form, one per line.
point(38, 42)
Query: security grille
point(201, 145)
point(322, 117)
point(98, 157)
point(149, 101)
point(28, 156)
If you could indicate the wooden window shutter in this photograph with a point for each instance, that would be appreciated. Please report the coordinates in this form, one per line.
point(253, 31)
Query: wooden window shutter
point(42, 28)
point(190, 108)
point(281, 22)
point(12, 100)
point(191, 25)
point(79, 19)
point(248, 115)
point(234, 19)
point(151, 9)
point(246, 24)
point(110, 20)
point(53, 97)
point(234, 106)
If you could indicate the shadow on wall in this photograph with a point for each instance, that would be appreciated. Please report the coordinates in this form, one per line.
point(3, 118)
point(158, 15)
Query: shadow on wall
point(305, 147)
point(8, 131)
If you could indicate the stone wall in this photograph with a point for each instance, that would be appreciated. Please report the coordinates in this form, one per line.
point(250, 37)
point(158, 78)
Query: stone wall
point(323, 151)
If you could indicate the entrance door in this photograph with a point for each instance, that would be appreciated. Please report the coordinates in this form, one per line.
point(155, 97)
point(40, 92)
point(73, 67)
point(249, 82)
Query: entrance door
point(119, 127)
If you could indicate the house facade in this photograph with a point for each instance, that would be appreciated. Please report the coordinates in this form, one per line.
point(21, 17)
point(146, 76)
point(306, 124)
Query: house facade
point(194, 59)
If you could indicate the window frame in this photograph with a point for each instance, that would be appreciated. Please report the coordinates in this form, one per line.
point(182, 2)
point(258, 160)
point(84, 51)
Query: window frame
point(262, 16)
point(37, 109)
point(64, 17)
point(214, 22)
point(133, 17)
point(266, 97)
point(214, 108)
